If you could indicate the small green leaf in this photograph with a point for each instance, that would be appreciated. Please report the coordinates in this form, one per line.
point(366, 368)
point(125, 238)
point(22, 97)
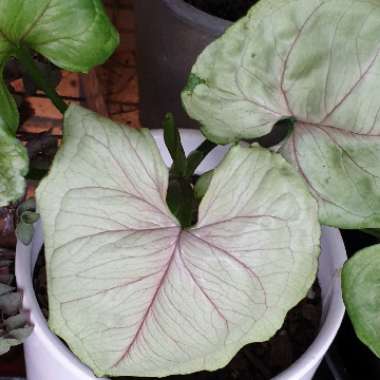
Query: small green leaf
point(24, 232)
point(9, 117)
point(180, 199)
point(202, 184)
point(361, 294)
point(29, 217)
point(173, 143)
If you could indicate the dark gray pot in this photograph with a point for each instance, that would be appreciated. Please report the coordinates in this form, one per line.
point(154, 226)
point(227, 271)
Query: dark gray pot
point(170, 36)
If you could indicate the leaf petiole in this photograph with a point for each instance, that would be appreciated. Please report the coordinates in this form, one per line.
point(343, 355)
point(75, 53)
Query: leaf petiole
point(24, 55)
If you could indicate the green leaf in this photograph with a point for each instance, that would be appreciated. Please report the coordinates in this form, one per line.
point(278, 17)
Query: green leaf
point(74, 34)
point(29, 217)
point(9, 117)
point(174, 145)
point(13, 167)
point(24, 232)
point(361, 294)
point(203, 184)
point(180, 199)
point(313, 62)
point(25, 229)
point(134, 294)
point(197, 156)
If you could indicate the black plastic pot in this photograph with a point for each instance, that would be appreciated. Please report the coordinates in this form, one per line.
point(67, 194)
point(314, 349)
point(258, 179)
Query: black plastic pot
point(170, 36)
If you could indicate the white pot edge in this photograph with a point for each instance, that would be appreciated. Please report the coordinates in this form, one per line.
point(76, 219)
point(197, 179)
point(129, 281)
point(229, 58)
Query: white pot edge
point(305, 365)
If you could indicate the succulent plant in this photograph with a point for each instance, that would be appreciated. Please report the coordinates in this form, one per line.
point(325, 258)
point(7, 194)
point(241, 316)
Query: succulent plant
point(14, 325)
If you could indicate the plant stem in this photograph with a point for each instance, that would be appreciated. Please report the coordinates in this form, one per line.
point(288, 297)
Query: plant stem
point(195, 158)
point(25, 57)
point(206, 147)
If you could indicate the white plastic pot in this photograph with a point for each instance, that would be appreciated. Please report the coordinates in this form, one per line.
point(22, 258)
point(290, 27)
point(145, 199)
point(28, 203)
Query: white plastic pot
point(47, 358)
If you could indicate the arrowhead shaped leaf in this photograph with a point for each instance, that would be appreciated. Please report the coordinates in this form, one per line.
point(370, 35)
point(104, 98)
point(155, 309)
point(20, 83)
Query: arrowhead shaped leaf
point(361, 294)
point(132, 293)
point(315, 62)
point(74, 34)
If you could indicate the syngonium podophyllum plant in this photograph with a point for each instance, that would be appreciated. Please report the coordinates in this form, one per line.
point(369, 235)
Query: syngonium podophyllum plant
point(316, 64)
point(75, 35)
point(141, 285)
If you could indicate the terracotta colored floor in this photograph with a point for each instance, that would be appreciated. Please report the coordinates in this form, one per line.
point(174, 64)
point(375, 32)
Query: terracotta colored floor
point(118, 80)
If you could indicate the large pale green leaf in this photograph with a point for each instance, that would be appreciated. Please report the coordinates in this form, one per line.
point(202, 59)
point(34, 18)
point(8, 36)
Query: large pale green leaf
point(316, 62)
point(74, 34)
point(132, 293)
point(361, 294)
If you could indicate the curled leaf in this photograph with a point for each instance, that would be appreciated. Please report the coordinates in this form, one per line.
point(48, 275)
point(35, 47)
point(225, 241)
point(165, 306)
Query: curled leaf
point(203, 184)
point(26, 219)
point(134, 294)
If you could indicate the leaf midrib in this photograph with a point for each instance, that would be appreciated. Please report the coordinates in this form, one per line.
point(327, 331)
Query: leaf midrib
point(35, 22)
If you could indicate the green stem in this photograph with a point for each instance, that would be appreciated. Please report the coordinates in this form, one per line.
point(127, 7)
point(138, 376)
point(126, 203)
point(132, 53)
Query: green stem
point(195, 158)
point(206, 147)
point(25, 57)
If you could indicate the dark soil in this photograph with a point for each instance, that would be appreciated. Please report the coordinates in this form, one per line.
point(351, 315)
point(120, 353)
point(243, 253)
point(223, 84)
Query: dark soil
point(231, 10)
point(258, 361)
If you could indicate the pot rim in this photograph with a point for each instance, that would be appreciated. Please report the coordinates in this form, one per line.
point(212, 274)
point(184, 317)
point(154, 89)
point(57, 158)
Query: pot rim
point(310, 358)
point(192, 15)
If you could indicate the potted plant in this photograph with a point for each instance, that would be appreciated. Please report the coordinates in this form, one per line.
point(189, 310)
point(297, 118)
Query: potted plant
point(179, 199)
point(58, 353)
point(142, 280)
